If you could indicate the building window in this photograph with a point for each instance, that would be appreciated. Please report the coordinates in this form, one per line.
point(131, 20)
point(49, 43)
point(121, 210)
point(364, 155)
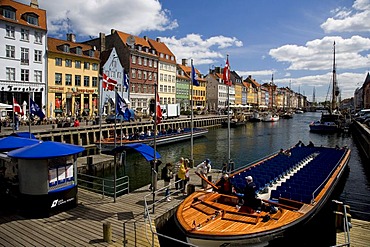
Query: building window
point(86, 81)
point(77, 80)
point(78, 50)
point(155, 64)
point(145, 75)
point(38, 37)
point(69, 63)
point(25, 75)
point(10, 74)
point(38, 76)
point(78, 64)
point(145, 62)
point(150, 63)
point(139, 74)
point(10, 51)
point(68, 80)
point(10, 32)
point(133, 73)
point(95, 67)
point(32, 19)
point(25, 34)
point(24, 55)
point(134, 59)
point(58, 79)
point(38, 56)
point(58, 61)
point(9, 13)
point(66, 48)
point(139, 60)
point(95, 81)
point(86, 65)
point(150, 76)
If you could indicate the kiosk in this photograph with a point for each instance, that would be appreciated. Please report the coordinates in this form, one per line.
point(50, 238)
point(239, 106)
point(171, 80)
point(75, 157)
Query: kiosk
point(47, 177)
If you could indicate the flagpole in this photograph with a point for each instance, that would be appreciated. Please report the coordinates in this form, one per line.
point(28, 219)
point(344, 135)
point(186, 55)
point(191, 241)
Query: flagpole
point(123, 76)
point(115, 117)
point(29, 113)
point(228, 109)
point(13, 113)
point(100, 111)
point(154, 175)
point(192, 115)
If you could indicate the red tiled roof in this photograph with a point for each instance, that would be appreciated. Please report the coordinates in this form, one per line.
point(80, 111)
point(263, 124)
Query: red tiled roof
point(161, 47)
point(138, 40)
point(21, 9)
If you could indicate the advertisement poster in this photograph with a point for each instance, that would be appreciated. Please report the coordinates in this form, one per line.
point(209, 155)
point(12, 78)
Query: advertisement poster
point(53, 180)
point(69, 169)
point(61, 174)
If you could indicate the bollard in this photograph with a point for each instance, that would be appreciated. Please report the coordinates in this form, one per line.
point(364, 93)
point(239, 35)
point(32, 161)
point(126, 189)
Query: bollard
point(107, 232)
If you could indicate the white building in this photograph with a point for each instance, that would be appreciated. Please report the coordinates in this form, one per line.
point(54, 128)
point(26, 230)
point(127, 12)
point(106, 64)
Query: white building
point(23, 60)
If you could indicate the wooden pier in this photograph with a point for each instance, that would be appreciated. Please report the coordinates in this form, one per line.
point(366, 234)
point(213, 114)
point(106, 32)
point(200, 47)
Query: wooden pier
point(359, 234)
point(83, 225)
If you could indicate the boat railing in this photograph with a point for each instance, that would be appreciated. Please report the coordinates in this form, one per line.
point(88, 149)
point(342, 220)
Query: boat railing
point(150, 208)
point(318, 189)
point(104, 186)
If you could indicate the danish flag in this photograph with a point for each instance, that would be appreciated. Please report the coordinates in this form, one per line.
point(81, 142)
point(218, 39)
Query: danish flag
point(16, 107)
point(108, 83)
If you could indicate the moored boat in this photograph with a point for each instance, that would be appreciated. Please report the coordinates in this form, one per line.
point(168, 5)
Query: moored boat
point(233, 123)
point(270, 118)
point(108, 144)
point(255, 117)
point(292, 188)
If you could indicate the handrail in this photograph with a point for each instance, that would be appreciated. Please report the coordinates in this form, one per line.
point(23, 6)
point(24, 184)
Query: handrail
point(104, 186)
point(347, 225)
point(147, 217)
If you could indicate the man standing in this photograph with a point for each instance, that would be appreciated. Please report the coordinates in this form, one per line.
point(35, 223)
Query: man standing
point(204, 168)
point(167, 176)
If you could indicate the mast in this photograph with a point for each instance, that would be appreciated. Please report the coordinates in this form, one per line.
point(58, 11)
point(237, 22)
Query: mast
point(334, 89)
point(192, 116)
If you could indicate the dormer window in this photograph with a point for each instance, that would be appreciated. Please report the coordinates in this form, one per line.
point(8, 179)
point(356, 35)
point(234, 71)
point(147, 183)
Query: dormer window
point(146, 49)
point(139, 48)
point(33, 19)
point(91, 53)
point(66, 48)
point(9, 13)
point(153, 52)
point(78, 50)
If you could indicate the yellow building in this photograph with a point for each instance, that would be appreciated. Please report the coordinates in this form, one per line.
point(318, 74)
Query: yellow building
point(73, 78)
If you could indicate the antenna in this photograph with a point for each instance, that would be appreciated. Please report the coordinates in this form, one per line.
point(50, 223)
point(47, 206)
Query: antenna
point(130, 40)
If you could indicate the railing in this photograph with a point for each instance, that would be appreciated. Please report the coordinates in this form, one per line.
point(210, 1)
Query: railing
point(346, 227)
point(104, 186)
point(147, 213)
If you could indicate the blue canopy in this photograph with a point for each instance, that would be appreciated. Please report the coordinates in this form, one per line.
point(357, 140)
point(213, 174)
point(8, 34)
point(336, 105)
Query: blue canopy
point(12, 142)
point(145, 150)
point(46, 150)
point(24, 135)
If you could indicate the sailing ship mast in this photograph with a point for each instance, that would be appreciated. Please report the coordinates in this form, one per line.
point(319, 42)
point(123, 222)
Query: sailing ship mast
point(335, 89)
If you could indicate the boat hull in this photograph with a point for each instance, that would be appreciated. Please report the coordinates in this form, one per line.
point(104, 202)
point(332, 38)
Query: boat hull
point(211, 218)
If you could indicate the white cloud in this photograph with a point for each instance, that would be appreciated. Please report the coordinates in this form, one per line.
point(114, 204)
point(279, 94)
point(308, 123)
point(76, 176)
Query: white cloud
point(202, 51)
point(88, 18)
point(351, 53)
point(256, 73)
point(344, 20)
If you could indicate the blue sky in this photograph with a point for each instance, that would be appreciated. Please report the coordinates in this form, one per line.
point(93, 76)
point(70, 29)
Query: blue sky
point(293, 40)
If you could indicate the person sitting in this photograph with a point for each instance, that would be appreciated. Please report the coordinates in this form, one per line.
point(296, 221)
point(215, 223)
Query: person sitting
point(76, 123)
point(310, 144)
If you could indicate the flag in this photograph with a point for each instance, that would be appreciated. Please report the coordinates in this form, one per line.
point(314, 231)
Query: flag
point(16, 107)
point(226, 73)
point(193, 79)
point(121, 105)
point(36, 110)
point(158, 110)
point(108, 83)
point(125, 80)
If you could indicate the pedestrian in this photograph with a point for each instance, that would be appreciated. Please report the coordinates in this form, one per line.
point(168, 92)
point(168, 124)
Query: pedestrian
point(167, 175)
point(204, 168)
point(16, 122)
point(181, 174)
point(176, 172)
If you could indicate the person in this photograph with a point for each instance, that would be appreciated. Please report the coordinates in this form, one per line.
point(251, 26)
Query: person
point(249, 196)
point(157, 164)
point(224, 185)
point(224, 168)
point(299, 144)
point(187, 174)
point(16, 122)
point(181, 175)
point(176, 171)
point(76, 123)
point(204, 168)
point(167, 175)
point(310, 144)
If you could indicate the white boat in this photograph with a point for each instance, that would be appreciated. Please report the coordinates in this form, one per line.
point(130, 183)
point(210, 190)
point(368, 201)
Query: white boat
point(270, 118)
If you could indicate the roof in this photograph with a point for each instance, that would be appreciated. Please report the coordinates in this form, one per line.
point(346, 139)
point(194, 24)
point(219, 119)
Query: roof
point(54, 43)
point(46, 150)
point(22, 9)
point(13, 142)
point(138, 40)
point(161, 47)
point(145, 150)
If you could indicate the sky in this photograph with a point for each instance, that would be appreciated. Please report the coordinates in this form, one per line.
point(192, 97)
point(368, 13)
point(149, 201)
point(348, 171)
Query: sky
point(289, 40)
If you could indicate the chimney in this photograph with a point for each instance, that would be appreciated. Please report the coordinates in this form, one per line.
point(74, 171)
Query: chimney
point(158, 39)
point(184, 62)
point(34, 4)
point(146, 38)
point(102, 41)
point(71, 37)
point(112, 31)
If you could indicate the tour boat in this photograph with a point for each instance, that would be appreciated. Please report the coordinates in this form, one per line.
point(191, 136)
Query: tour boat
point(293, 186)
point(108, 144)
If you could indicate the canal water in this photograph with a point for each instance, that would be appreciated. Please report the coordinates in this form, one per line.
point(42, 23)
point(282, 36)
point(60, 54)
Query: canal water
point(256, 140)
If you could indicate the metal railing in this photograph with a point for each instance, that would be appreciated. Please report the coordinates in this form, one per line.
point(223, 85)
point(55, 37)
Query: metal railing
point(148, 208)
point(346, 227)
point(104, 186)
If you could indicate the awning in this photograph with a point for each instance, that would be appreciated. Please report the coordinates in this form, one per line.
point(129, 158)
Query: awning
point(145, 150)
point(10, 143)
point(5, 106)
point(46, 150)
point(24, 135)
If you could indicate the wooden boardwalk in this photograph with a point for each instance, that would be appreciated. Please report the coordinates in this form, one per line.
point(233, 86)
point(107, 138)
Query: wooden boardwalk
point(83, 225)
point(359, 234)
